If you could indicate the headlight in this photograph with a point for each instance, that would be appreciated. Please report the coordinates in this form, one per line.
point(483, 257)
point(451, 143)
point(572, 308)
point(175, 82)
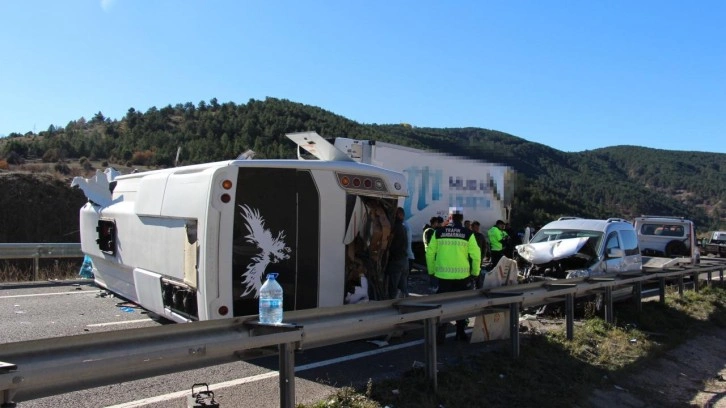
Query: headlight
point(578, 273)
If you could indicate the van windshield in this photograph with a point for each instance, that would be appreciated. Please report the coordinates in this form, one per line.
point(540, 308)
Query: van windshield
point(591, 248)
point(545, 235)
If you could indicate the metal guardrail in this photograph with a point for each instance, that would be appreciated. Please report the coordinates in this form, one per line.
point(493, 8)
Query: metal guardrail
point(36, 251)
point(37, 368)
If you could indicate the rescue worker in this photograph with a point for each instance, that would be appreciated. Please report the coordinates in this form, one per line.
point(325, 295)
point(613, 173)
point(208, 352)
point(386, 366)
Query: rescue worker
point(434, 223)
point(397, 256)
point(497, 236)
point(453, 256)
point(481, 240)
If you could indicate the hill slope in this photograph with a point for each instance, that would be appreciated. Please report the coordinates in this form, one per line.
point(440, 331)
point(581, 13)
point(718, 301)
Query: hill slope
point(620, 181)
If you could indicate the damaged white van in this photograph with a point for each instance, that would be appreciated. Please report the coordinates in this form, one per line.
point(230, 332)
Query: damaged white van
point(575, 247)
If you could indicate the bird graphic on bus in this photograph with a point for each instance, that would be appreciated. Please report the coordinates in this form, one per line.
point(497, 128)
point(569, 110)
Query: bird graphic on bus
point(273, 250)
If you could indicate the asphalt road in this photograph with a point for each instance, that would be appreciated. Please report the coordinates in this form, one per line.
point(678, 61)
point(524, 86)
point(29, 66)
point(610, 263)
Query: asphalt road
point(34, 311)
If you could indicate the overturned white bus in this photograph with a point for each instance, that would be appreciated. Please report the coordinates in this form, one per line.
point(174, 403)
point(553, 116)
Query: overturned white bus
point(195, 242)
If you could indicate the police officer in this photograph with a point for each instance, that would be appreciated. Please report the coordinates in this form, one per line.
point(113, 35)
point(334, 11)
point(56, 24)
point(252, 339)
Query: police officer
point(453, 256)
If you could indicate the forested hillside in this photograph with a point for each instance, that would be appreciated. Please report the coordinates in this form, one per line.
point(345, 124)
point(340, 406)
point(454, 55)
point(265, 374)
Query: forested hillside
point(620, 181)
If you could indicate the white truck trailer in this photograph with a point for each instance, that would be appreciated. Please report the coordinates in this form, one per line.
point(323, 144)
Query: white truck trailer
point(435, 181)
point(195, 242)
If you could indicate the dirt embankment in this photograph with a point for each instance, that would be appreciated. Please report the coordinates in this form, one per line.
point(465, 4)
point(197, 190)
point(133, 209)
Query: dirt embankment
point(38, 207)
point(691, 375)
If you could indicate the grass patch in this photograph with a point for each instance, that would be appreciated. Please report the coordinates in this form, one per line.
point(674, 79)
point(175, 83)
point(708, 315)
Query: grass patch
point(549, 364)
point(48, 269)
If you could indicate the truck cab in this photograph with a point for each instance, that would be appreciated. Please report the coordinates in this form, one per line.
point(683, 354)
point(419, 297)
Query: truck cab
point(715, 244)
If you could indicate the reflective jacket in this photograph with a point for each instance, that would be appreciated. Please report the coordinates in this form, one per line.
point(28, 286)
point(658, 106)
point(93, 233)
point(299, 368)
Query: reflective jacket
point(453, 253)
point(495, 238)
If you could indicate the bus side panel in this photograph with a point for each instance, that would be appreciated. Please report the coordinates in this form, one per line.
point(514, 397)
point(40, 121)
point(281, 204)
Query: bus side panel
point(113, 271)
point(268, 238)
point(308, 243)
point(333, 224)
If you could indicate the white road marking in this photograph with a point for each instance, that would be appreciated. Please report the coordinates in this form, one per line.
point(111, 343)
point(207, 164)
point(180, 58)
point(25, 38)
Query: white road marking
point(272, 374)
point(182, 394)
point(117, 323)
point(50, 294)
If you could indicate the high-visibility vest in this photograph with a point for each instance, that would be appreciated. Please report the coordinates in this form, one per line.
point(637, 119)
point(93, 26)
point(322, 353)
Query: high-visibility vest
point(453, 253)
point(495, 238)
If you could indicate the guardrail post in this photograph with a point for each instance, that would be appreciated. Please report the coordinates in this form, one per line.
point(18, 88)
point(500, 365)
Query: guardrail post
point(430, 325)
point(720, 275)
point(638, 296)
point(609, 304)
point(430, 350)
point(680, 285)
point(514, 328)
point(287, 375)
point(710, 284)
point(286, 357)
point(694, 277)
point(36, 266)
point(661, 289)
point(570, 314)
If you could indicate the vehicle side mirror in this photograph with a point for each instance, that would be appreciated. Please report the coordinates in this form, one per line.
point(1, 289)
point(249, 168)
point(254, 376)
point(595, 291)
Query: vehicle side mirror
point(615, 253)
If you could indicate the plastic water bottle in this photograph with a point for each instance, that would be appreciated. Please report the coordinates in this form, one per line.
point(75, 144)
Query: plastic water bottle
point(271, 301)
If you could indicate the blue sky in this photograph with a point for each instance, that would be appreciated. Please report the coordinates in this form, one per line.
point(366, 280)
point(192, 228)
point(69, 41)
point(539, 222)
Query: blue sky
point(573, 75)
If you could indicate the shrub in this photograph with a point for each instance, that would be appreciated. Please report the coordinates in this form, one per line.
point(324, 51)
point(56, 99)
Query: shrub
point(14, 158)
point(62, 168)
point(142, 158)
point(51, 155)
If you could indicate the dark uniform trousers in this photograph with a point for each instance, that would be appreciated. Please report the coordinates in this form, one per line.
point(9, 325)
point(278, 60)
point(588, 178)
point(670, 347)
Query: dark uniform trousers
point(453, 285)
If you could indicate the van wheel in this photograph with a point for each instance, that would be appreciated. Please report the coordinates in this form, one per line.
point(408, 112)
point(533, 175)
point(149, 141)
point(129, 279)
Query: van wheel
point(676, 248)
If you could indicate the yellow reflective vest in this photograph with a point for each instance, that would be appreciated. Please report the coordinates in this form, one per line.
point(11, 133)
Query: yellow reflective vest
point(453, 253)
point(495, 238)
